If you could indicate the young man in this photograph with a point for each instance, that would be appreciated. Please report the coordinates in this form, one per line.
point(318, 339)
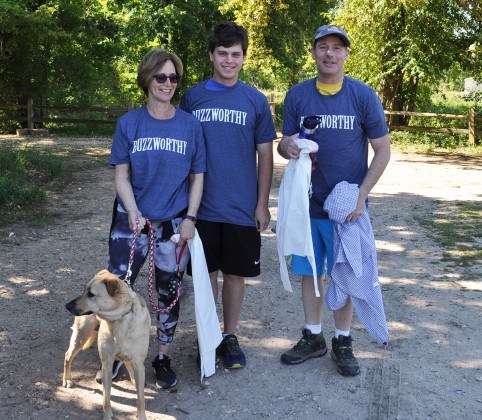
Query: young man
point(351, 116)
point(238, 130)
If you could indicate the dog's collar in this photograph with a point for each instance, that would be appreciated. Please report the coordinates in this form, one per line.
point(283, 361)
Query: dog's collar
point(128, 312)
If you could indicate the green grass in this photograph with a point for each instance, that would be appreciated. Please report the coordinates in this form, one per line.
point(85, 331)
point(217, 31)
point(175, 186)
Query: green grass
point(24, 174)
point(456, 227)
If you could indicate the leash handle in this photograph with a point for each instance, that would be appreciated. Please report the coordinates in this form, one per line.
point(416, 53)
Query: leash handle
point(127, 279)
point(151, 270)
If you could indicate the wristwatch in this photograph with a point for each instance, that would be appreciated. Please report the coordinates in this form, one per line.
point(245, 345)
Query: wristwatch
point(188, 217)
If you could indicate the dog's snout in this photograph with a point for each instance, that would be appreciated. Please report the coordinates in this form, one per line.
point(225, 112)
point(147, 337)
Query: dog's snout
point(74, 309)
point(70, 306)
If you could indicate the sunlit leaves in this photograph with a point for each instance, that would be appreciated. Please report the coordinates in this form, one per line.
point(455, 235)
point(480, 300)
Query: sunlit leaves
point(400, 47)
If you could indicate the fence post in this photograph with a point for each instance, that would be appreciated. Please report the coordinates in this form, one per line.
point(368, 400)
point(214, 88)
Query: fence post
point(130, 106)
point(30, 113)
point(471, 127)
point(272, 105)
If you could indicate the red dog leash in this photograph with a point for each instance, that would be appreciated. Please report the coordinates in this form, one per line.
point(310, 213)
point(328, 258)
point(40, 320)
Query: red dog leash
point(151, 267)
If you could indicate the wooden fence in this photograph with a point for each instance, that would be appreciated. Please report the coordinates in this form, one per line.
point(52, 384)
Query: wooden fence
point(34, 114)
point(471, 119)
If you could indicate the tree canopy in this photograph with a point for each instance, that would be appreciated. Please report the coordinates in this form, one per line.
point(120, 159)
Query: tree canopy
point(402, 48)
point(86, 52)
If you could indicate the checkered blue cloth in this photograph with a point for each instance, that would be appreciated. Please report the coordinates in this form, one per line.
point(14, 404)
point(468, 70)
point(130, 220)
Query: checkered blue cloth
point(355, 272)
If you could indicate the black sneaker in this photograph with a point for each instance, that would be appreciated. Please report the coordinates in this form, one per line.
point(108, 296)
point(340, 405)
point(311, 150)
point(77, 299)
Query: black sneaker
point(115, 371)
point(310, 345)
point(165, 376)
point(342, 354)
point(229, 350)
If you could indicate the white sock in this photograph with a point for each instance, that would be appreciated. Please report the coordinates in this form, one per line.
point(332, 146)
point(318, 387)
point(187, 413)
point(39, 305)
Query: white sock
point(161, 355)
point(314, 328)
point(341, 332)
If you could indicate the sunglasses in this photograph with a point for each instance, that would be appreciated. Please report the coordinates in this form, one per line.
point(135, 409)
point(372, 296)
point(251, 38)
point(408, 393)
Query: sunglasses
point(162, 78)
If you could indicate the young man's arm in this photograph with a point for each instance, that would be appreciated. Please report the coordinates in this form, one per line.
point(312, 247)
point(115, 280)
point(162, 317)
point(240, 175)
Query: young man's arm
point(265, 176)
point(186, 229)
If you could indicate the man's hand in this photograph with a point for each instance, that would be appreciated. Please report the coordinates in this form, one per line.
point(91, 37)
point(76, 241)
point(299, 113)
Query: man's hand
point(262, 216)
point(287, 147)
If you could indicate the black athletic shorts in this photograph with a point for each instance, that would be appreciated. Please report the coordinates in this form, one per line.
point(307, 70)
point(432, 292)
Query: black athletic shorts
point(233, 249)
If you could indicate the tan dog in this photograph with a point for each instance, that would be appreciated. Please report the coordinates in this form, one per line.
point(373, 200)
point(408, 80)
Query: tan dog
point(121, 316)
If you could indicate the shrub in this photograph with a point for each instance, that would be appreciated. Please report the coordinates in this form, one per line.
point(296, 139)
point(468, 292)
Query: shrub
point(21, 193)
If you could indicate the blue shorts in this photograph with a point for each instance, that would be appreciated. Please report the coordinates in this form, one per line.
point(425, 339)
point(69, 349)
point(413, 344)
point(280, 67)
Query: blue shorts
point(322, 236)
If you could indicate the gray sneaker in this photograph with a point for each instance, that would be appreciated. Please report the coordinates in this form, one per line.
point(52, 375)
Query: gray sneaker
point(310, 345)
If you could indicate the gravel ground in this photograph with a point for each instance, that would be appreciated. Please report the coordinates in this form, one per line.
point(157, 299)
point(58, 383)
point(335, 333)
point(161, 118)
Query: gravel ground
point(432, 368)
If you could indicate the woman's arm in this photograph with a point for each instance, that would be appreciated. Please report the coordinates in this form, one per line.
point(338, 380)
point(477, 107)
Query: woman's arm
point(124, 190)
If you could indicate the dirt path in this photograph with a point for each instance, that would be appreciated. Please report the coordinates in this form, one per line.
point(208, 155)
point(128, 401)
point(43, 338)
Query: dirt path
point(432, 369)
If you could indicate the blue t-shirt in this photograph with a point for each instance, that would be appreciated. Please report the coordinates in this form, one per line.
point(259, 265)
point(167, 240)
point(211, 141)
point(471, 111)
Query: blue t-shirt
point(234, 122)
point(161, 153)
point(348, 119)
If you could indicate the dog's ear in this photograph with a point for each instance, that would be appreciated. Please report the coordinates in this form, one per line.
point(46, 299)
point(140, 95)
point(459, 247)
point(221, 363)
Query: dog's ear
point(112, 286)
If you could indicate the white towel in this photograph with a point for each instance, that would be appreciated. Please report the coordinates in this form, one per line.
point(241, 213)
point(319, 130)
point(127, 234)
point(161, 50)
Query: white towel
point(209, 333)
point(293, 228)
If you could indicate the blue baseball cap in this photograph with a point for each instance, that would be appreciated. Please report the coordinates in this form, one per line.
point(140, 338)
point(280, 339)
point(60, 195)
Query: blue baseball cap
point(326, 30)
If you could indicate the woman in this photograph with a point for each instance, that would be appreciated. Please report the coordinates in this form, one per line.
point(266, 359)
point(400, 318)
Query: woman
point(159, 157)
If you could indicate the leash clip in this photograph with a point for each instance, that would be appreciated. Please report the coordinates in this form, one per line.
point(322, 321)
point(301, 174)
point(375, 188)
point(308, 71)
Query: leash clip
point(127, 278)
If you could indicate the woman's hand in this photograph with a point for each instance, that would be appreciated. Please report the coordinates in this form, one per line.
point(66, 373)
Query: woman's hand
point(136, 220)
point(186, 231)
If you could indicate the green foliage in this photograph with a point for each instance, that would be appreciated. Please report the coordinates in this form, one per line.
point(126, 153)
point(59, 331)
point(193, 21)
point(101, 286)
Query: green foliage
point(18, 192)
point(58, 52)
point(457, 229)
point(402, 48)
point(427, 142)
point(280, 38)
point(55, 166)
point(178, 25)
point(83, 130)
point(86, 52)
point(440, 103)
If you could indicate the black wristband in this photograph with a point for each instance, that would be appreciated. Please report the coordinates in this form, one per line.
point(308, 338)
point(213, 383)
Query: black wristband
point(191, 218)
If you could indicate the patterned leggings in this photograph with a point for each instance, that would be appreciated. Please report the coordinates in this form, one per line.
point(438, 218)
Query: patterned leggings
point(166, 253)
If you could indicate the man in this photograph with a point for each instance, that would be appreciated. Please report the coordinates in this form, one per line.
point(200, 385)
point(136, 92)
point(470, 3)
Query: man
point(351, 116)
point(238, 130)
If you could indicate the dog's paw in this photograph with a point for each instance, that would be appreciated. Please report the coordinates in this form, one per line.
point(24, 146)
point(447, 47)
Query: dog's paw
point(108, 415)
point(68, 383)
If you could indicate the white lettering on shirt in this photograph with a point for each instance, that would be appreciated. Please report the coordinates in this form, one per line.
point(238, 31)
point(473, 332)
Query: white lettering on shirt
point(230, 116)
point(337, 122)
point(159, 143)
